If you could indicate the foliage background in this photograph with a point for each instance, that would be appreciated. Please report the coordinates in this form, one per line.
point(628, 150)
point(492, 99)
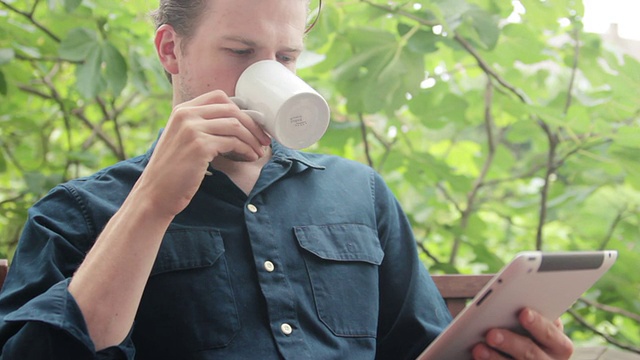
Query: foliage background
point(498, 132)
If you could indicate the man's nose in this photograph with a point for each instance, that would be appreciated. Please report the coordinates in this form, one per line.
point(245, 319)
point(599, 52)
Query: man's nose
point(268, 56)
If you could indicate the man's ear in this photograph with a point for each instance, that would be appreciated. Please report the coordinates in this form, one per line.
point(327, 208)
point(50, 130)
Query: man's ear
point(166, 42)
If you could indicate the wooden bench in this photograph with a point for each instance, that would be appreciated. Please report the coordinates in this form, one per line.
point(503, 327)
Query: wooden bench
point(4, 268)
point(457, 290)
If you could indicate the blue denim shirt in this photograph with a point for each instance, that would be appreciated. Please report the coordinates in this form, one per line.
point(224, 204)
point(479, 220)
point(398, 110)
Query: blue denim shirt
point(317, 262)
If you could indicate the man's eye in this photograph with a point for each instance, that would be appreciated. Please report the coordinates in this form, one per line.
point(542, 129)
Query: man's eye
point(285, 59)
point(241, 51)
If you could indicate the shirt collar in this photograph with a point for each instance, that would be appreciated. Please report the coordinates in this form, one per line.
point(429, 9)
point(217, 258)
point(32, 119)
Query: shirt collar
point(280, 154)
point(284, 154)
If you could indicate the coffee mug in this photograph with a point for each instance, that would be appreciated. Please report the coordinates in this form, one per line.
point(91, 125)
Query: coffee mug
point(286, 107)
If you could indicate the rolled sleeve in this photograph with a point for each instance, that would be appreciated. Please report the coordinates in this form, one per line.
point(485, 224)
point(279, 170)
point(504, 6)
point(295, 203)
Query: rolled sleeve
point(40, 318)
point(52, 325)
point(57, 308)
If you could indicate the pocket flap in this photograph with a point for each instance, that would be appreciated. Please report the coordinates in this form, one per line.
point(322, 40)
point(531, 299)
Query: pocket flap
point(341, 242)
point(188, 249)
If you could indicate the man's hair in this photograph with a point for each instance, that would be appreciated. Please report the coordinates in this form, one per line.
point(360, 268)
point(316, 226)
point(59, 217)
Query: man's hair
point(184, 16)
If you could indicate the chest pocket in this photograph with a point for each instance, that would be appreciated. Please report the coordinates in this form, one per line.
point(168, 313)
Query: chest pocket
point(342, 262)
point(188, 304)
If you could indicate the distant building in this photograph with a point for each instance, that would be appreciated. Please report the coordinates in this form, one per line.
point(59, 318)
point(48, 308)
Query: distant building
point(613, 40)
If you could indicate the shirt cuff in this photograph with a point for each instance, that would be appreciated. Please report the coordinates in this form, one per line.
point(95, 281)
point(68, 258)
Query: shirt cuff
point(58, 308)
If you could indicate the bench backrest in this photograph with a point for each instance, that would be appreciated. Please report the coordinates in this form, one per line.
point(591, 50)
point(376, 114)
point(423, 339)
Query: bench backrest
point(457, 290)
point(4, 267)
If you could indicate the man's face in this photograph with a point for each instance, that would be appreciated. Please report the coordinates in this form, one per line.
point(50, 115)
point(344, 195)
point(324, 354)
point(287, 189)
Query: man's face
point(233, 34)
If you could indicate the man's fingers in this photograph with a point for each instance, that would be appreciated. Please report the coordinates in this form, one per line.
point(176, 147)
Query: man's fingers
point(215, 112)
point(546, 333)
point(211, 97)
point(484, 352)
point(232, 128)
point(545, 341)
point(558, 323)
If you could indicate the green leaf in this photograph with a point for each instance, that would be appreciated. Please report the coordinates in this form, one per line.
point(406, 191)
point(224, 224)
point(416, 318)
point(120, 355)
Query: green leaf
point(35, 182)
point(70, 5)
point(380, 73)
point(3, 84)
point(487, 256)
point(518, 42)
point(422, 42)
point(486, 26)
point(6, 55)
point(52, 4)
point(628, 158)
point(438, 111)
point(629, 137)
point(138, 74)
point(3, 162)
point(28, 50)
point(78, 44)
point(452, 11)
point(89, 77)
point(445, 268)
point(85, 158)
point(116, 68)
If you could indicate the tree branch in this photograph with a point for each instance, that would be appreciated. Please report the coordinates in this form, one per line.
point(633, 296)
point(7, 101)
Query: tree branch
point(108, 116)
point(427, 252)
point(449, 197)
point(117, 111)
point(574, 69)
point(34, 91)
point(388, 146)
point(491, 144)
point(612, 227)
point(32, 20)
point(487, 69)
point(611, 309)
point(544, 192)
point(117, 150)
point(363, 130)
point(402, 13)
point(605, 336)
point(11, 157)
point(55, 96)
point(13, 199)
point(97, 130)
point(47, 59)
point(33, 7)
point(465, 44)
point(554, 140)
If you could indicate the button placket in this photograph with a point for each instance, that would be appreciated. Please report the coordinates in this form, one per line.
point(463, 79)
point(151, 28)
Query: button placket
point(277, 291)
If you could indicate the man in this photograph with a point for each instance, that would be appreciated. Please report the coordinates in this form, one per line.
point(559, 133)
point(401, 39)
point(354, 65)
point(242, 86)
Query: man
point(277, 254)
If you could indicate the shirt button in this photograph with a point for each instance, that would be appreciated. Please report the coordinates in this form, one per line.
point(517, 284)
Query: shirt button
point(286, 329)
point(268, 265)
point(252, 208)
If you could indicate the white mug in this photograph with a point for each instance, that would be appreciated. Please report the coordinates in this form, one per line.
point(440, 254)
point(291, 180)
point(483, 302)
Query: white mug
point(286, 107)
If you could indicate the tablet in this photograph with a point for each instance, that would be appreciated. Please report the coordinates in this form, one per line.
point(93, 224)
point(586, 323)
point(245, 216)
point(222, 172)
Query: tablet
point(546, 282)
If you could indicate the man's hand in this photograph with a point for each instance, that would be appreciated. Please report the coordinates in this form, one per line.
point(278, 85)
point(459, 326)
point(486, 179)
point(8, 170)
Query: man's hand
point(547, 341)
point(198, 131)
